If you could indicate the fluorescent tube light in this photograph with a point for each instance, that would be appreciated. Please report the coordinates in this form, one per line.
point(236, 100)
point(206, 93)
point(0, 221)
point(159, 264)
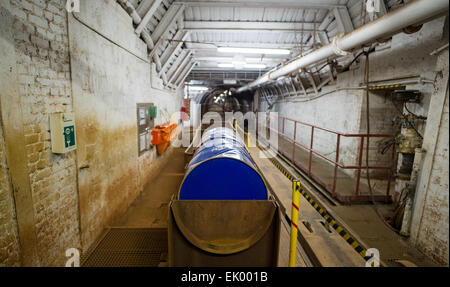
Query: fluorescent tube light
point(253, 51)
point(198, 88)
point(229, 81)
point(255, 66)
point(225, 65)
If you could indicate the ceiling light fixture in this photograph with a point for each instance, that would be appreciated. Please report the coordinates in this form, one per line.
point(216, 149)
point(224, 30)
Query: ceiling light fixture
point(253, 51)
point(225, 65)
point(197, 88)
point(230, 81)
point(255, 66)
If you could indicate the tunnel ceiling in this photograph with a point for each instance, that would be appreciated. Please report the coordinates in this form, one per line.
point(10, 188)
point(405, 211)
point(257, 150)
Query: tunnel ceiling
point(185, 34)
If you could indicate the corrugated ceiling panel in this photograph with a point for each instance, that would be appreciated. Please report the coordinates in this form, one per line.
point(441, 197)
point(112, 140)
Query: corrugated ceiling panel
point(273, 14)
point(332, 30)
point(248, 14)
point(249, 37)
point(208, 13)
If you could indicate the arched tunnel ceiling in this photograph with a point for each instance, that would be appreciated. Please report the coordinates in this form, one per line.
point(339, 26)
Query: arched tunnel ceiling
point(185, 34)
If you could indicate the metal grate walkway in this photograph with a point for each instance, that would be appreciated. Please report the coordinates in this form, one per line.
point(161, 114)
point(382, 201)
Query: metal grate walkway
point(129, 247)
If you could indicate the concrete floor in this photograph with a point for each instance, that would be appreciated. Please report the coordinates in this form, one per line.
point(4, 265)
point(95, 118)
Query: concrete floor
point(366, 226)
point(324, 248)
point(150, 209)
point(365, 222)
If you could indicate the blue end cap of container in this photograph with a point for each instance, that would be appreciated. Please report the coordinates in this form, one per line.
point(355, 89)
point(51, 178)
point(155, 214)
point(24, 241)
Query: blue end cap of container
point(223, 179)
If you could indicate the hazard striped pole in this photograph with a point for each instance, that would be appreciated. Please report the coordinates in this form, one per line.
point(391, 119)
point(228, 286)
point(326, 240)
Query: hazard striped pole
point(248, 140)
point(234, 124)
point(294, 222)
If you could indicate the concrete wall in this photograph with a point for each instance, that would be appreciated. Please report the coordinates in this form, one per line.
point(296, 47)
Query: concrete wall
point(108, 82)
point(407, 59)
point(65, 201)
point(9, 238)
point(339, 111)
point(405, 56)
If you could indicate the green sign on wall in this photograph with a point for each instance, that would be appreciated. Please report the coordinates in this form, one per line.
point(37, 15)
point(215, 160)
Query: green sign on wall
point(69, 136)
point(153, 112)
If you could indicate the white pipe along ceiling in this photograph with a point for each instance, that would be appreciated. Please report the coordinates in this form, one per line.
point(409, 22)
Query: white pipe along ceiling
point(415, 12)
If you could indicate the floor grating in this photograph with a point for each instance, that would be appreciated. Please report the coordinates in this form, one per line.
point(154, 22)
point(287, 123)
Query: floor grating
point(129, 247)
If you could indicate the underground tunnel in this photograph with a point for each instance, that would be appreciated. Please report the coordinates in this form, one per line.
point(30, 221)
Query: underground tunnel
point(225, 133)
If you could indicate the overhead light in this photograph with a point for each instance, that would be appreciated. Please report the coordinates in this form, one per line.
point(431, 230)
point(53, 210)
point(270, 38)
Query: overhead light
point(225, 65)
point(241, 65)
point(229, 81)
point(255, 66)
point(198, 88)
point(253, 51)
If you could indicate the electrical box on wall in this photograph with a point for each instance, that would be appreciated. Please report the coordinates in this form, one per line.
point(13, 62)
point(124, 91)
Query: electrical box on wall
point(146, 112)
point(62, 132)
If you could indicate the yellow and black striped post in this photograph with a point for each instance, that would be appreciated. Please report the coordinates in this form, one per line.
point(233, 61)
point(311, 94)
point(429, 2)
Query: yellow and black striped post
point(294, 222)
point(235, 124)
point(324, 213)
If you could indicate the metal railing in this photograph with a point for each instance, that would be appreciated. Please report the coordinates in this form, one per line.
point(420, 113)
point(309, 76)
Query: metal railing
point(339, 135)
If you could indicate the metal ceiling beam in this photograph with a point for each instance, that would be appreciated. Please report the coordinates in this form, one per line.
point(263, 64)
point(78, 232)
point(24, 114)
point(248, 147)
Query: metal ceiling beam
point(232, 25)
point(143, 7)
point(214, 45)
point(327, 20)
point(192, 77)
point(244, 30)
point(159, 69)
point(306, 4)
point(250, 60)
point(176, 64)
point(148, 15)
point(312, 81)
point(169, 18)
point(343, 20)
point(293, 86)
point(146, 36)
point(322, 38)
point(173, 47)
point(219, 70)
point(179, 67)
point(381, 11)
point(300, 82)
point(177, 39)
point(321, 34)
point(185, 73)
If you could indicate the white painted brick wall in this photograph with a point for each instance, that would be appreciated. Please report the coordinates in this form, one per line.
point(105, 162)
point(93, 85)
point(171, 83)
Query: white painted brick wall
point(45, 88)
point(430, 220)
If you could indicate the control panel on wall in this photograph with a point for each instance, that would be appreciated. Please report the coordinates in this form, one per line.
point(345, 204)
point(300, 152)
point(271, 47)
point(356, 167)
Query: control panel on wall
point(62, 132)
point(146, 114)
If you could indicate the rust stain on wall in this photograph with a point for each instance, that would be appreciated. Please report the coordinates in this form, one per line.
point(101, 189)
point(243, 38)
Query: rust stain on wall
point(108, 174)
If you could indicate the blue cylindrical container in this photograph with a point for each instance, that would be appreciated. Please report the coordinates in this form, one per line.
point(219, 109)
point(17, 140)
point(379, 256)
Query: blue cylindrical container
point(222, 169)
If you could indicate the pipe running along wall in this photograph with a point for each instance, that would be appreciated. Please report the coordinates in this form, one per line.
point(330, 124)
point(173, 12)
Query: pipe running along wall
point(412, 13)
